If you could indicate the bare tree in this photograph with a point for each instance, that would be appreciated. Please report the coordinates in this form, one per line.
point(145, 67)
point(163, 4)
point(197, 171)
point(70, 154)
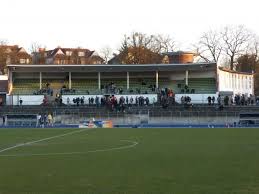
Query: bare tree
point(38, 53)
point(35, 46)
point(106, 53)
point(235, 40)
point(209, 47)
point(201, 52)
point(164, 43)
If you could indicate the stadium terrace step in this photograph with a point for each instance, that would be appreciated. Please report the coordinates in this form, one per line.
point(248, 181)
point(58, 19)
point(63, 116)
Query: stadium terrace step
point(153, 110)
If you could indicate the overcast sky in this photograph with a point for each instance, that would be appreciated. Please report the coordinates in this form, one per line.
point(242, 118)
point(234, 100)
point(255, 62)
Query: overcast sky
point(95, 24)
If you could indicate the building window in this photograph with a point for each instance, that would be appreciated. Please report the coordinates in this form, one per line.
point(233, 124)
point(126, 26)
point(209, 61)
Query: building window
point(69, 53)
point(22, 61)
point(81, 54)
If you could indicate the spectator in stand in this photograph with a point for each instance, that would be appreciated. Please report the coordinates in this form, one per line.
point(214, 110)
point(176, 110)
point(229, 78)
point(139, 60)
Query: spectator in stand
point(45, 100)
point(97, 101)
point(77, 101)
point(226, 101)
point(131, 101)
point(213, 100)
point(209, 100)
point(182, 100)
point(147, 101)
point(219, 100)
point(136, 100)
point(82, 100)
point(60, 101)
point(20, 101)
point(257, 100)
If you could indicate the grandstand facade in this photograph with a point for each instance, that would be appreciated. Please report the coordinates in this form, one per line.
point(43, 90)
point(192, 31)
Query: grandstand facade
point(33, 82)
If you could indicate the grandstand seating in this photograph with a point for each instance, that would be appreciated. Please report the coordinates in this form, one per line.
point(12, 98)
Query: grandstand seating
point(175, 85)
point(25, 86)
point(195, 85)
point(143, 85)
point(202, 85)
point(84, 86)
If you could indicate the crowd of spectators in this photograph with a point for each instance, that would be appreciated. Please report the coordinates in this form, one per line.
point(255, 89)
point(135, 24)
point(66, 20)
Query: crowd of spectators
point(111, 101)
point(239, 100)
point(167, 97)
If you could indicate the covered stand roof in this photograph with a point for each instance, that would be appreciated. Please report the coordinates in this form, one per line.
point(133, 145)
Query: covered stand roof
point(113, 68)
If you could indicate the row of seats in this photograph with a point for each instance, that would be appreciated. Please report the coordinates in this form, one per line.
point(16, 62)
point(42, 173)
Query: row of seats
point(202, 85)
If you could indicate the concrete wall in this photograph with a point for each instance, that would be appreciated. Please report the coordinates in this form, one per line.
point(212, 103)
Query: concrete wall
point(27, 99)
point(136, 119)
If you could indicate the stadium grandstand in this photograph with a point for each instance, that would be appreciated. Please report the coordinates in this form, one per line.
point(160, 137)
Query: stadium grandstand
point(32, 82)
point(178, 92)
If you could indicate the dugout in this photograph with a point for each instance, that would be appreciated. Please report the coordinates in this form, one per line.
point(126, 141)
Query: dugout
point(21, 120)
point(251, 118)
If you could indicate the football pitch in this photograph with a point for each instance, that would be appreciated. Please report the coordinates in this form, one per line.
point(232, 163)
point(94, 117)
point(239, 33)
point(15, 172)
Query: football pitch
point(129, 161)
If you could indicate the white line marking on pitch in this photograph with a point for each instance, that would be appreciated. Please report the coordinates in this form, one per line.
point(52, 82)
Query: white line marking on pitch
point(134, 143)
point(37, 141)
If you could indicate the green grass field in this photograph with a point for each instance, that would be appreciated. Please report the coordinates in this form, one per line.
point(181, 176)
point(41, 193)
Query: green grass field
point(151, 161)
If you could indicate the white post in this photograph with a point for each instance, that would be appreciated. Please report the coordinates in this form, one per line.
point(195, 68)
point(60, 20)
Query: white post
point(99, 80)
point(40, 80)
point(10, 77)
point(127, 80)
point(157, 79)
point(186, 77)
point(70, 83)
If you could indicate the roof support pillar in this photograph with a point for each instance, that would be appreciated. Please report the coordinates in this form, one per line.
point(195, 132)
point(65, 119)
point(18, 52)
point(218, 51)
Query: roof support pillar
point(99, 80)
point(157, 79)
point(127, 80)
point(186, 77)
point(69, 80)
point(40, 80)
point(10, 78)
